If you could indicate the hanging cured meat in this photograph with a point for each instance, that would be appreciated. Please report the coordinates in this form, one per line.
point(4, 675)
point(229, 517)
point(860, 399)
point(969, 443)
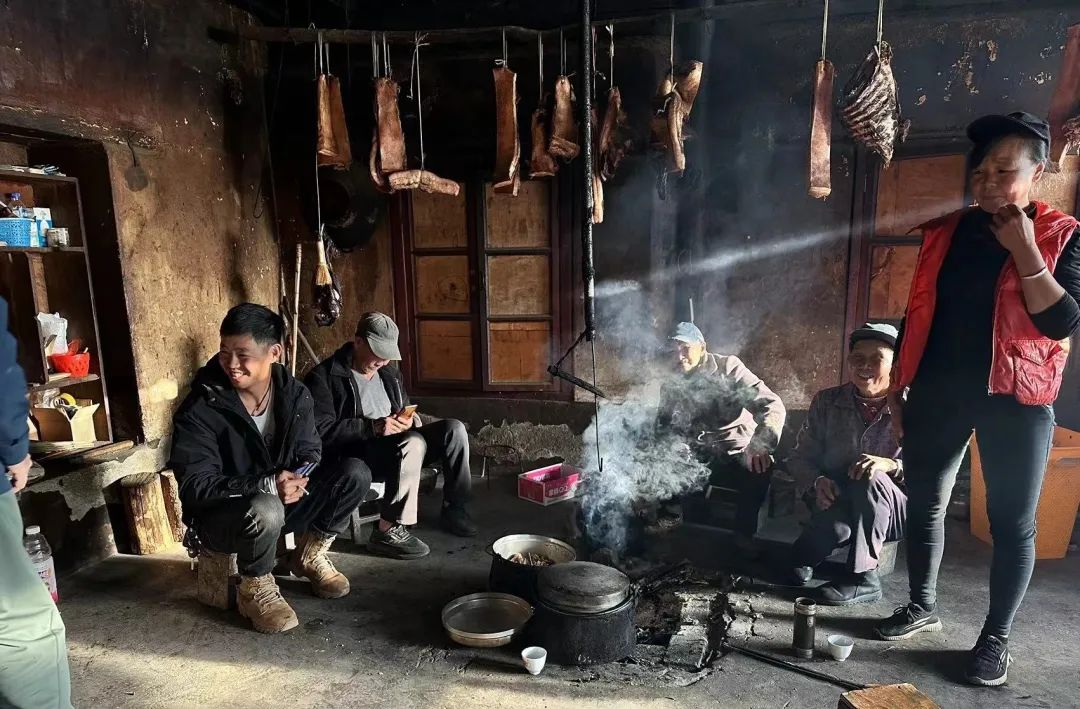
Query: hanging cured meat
point(541, 163)
point(423, 180)
point(615, 137)
point(388, 121)
point(869, 108)
point(820, 179)
point(564, 128)
point(507, 141)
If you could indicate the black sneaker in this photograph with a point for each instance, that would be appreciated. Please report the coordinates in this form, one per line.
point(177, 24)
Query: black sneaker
point(857, 588)
point(397, 543)
point(456, 520)
point(907, 621)
point(989, 663)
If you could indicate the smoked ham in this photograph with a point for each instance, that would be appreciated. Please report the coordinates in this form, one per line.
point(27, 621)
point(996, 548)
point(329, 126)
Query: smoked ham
point(507, 141)
point(820, 178)
point(373, 164)
point(564, 129)
point(615, 140)
point(423, 180)
point(333, 136)
point(541, 164)
point(688, 83)
point(391, 157)
point(598, 199)
point(869, 108)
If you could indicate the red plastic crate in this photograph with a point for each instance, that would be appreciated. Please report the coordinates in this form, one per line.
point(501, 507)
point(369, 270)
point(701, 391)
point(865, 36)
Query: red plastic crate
point(551, 484)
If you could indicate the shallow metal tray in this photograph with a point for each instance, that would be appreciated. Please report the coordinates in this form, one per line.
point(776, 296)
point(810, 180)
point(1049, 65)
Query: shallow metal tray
point(485, 619)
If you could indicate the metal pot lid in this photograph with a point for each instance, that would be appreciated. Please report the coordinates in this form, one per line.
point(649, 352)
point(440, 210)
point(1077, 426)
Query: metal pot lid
point(582, 587)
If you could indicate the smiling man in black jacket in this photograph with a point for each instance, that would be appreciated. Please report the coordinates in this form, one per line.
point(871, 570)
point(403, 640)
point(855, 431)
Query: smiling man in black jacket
point(360, 407)
point(243, 450)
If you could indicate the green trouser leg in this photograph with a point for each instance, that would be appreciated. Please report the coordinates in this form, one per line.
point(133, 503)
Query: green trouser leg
point(33, 656)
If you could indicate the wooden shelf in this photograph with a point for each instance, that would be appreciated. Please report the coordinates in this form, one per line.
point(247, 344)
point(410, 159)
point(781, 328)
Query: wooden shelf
point(64, 383)
point(31, 178)
point(43, 249)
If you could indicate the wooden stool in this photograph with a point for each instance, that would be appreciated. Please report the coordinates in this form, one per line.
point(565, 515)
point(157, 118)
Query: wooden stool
point(216, 580)
point(887, 696)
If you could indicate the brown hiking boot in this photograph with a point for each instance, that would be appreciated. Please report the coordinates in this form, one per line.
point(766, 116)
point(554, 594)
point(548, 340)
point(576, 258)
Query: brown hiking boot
point(259, 600)
point(310, 561)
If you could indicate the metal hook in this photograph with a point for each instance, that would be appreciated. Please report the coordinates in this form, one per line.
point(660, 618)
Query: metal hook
point(562, 53)
point(671, 55)
point(374, 57)
point(611, 53)
point(504, 54)
point(386, 57)
point(540, 53)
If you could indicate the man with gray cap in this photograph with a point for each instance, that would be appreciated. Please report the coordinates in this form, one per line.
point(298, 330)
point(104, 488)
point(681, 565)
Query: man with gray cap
point(363, 414)
point(730, 416)
point(848, 455)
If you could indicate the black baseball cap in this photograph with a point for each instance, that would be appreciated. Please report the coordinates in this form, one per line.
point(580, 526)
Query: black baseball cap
point(982, 130)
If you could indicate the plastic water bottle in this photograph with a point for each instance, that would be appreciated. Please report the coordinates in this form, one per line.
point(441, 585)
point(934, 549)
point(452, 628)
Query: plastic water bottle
point(41, 555)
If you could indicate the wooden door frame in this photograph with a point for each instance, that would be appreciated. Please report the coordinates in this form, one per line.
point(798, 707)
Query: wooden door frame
point(866, 174)
point(563, 292)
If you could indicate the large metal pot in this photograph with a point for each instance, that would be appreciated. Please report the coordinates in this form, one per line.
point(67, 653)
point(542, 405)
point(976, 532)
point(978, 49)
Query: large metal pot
point(520, 579)
point(584, 639)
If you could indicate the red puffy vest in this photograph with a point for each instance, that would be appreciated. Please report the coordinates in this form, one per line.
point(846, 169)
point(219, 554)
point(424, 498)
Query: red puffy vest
point(1025, 364)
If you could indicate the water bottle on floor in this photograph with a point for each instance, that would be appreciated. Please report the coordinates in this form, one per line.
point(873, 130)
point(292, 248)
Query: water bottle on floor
point(41, 555)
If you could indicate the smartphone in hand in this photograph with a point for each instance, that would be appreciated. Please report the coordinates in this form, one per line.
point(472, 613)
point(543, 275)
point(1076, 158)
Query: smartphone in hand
point(305, 469)
point(407, 413)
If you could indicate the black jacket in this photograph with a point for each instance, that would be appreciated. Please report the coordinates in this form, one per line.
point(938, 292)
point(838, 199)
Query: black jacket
point(337, 402)
point(217, 451)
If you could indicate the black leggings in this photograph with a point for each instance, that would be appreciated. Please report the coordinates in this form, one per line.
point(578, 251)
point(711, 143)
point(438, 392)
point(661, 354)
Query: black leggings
point(1014, 443)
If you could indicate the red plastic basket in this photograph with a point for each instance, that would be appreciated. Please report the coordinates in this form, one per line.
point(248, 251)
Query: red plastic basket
point(77, 365)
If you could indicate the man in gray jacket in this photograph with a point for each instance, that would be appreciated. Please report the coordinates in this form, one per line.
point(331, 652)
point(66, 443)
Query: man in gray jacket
point(848, 455)
point(730, 416)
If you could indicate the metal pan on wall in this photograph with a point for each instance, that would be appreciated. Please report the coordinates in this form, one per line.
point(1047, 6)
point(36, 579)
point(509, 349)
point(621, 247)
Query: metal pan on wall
point(351, 206)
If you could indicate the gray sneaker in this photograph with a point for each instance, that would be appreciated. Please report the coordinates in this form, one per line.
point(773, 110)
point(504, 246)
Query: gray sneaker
point(397, 543)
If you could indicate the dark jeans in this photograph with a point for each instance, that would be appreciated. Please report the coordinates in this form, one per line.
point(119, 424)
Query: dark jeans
point(752, 490)
point(865, 516)
point(1014, 443)
point(250, 526)
point(397, 460)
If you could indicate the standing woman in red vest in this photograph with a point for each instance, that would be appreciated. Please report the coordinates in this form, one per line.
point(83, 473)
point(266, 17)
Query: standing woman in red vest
point(983, 347)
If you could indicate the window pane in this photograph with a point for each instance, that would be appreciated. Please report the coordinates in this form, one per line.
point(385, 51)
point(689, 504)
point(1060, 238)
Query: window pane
point(519, 352)
point(439, 221)
point(519, 285)
point(446, 350)
point(1059, 189)
point(519, 222)
point(915, 190)
point(890, 280)
point(442, 284)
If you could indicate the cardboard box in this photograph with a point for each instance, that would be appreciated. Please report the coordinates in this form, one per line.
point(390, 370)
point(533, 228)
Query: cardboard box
point(54, 425)
point(551, 484)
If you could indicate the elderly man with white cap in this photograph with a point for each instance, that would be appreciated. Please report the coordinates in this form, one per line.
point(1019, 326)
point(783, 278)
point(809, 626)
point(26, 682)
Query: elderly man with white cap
point(363, 414)
point(732, 417)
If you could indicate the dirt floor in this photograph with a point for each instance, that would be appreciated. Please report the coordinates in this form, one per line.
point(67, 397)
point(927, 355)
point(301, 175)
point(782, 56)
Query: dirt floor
point(138, 638)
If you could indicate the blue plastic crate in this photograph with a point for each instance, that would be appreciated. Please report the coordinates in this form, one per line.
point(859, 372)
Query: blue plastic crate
point(16, 232)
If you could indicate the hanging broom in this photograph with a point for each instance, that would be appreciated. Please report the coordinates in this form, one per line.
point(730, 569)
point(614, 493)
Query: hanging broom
point(322, 271)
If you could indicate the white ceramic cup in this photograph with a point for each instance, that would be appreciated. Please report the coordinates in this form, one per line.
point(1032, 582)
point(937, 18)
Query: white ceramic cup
point(534, 659)
point(840, 647)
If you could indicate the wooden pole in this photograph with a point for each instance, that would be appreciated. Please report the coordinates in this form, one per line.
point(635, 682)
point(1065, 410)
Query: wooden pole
point(296, 308)
point(144, 507)
point(170, 491)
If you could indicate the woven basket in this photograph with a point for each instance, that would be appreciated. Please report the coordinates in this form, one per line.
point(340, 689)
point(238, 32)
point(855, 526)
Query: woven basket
point(1058, 503)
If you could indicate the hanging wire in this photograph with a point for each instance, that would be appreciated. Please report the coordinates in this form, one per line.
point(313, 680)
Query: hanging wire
point(348, 50)
point(671, 50)
point(318, 195)
point(374, 57)
point(562, 53)
point(880, 16)
point(505, 61)
point(611, 54)
point(825, 30)
point(419, 104)
point(596, 409)
point(387, 66)
point(540, 61)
